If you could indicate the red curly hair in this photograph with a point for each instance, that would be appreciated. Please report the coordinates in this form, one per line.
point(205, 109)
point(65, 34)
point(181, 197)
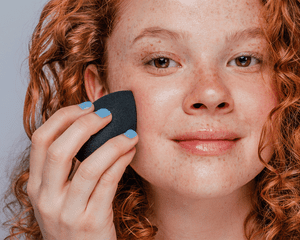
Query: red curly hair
point(71, 34)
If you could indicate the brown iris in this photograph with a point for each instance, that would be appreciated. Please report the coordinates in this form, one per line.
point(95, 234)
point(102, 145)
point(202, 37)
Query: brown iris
point(243, 61)
point(162, 62)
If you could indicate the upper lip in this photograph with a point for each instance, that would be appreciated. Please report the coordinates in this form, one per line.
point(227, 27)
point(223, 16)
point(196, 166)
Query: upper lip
point(207, 135)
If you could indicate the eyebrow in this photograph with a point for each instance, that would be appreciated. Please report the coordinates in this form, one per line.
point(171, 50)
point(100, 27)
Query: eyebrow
point(157, 32)
point(244, 34)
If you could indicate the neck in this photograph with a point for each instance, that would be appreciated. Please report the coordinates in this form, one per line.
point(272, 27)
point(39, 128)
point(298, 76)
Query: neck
point(178, 217)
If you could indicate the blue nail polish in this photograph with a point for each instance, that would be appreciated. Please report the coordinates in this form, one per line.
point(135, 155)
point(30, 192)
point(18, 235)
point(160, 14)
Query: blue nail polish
point(103, 112)
point(130, 133)
point(85, 105)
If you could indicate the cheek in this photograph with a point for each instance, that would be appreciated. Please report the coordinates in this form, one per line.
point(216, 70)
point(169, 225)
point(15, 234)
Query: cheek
point(154, 105)
point(256, 106)
point(255, 103)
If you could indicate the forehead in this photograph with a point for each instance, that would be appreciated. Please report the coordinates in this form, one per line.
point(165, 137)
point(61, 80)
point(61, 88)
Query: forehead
point(197, 17)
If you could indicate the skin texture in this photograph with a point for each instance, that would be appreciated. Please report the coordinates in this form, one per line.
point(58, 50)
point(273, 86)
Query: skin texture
point(194, 197)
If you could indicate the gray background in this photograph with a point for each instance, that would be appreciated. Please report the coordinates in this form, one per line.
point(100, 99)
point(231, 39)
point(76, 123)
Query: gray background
point(18, 19)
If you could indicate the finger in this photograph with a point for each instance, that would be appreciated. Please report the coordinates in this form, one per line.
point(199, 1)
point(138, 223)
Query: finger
point(91, 170)
point(44, 136)
point(105, 190)
point(64, 148)
point(76, 165)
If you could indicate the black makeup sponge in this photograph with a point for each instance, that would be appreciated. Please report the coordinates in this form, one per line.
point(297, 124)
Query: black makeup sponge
point(122, 107)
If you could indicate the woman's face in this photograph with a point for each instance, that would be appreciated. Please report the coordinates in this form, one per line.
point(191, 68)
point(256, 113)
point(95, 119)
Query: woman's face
point(210, 77)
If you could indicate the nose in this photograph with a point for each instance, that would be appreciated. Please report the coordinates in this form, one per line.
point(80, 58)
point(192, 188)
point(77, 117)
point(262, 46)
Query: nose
point(209, 94)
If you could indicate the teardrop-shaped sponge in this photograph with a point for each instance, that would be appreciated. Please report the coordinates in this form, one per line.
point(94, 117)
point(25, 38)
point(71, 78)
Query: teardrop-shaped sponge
point(122, 107)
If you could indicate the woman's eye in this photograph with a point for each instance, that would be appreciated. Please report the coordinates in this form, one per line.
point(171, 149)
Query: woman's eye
point(245, 61)
point(162, 62)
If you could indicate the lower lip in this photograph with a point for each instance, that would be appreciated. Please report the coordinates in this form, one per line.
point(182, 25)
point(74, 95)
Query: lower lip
point(207, 147)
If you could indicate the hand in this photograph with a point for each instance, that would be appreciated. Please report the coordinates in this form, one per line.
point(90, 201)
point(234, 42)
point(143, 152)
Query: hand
point(80, 208)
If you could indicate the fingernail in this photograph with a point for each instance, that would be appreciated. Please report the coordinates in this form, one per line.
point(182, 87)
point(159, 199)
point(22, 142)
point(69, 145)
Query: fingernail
point(103, 112)
point(130, 133)
point(85, 105)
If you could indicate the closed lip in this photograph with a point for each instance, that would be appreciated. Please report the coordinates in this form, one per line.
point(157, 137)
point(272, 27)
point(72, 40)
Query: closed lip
point(208, 135)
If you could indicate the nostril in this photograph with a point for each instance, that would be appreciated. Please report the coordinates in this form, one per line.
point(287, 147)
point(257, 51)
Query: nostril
point(198, 105)
point(223, 104)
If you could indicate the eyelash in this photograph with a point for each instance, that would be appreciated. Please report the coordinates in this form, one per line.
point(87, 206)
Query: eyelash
point(257, 57)
point(148, 61)
point(158, 56)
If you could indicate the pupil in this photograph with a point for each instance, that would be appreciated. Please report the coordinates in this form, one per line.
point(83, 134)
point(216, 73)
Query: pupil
point(243, 61)
point(162, 62)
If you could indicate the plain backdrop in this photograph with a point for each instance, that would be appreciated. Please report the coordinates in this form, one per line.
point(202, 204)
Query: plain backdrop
point(18, 19)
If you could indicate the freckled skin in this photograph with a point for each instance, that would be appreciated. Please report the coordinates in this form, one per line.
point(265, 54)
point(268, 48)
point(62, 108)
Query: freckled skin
point(194, 195)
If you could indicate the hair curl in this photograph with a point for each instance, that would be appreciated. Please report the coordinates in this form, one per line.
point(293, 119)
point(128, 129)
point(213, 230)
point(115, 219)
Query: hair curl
point(72, 34)
point(276, 199)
